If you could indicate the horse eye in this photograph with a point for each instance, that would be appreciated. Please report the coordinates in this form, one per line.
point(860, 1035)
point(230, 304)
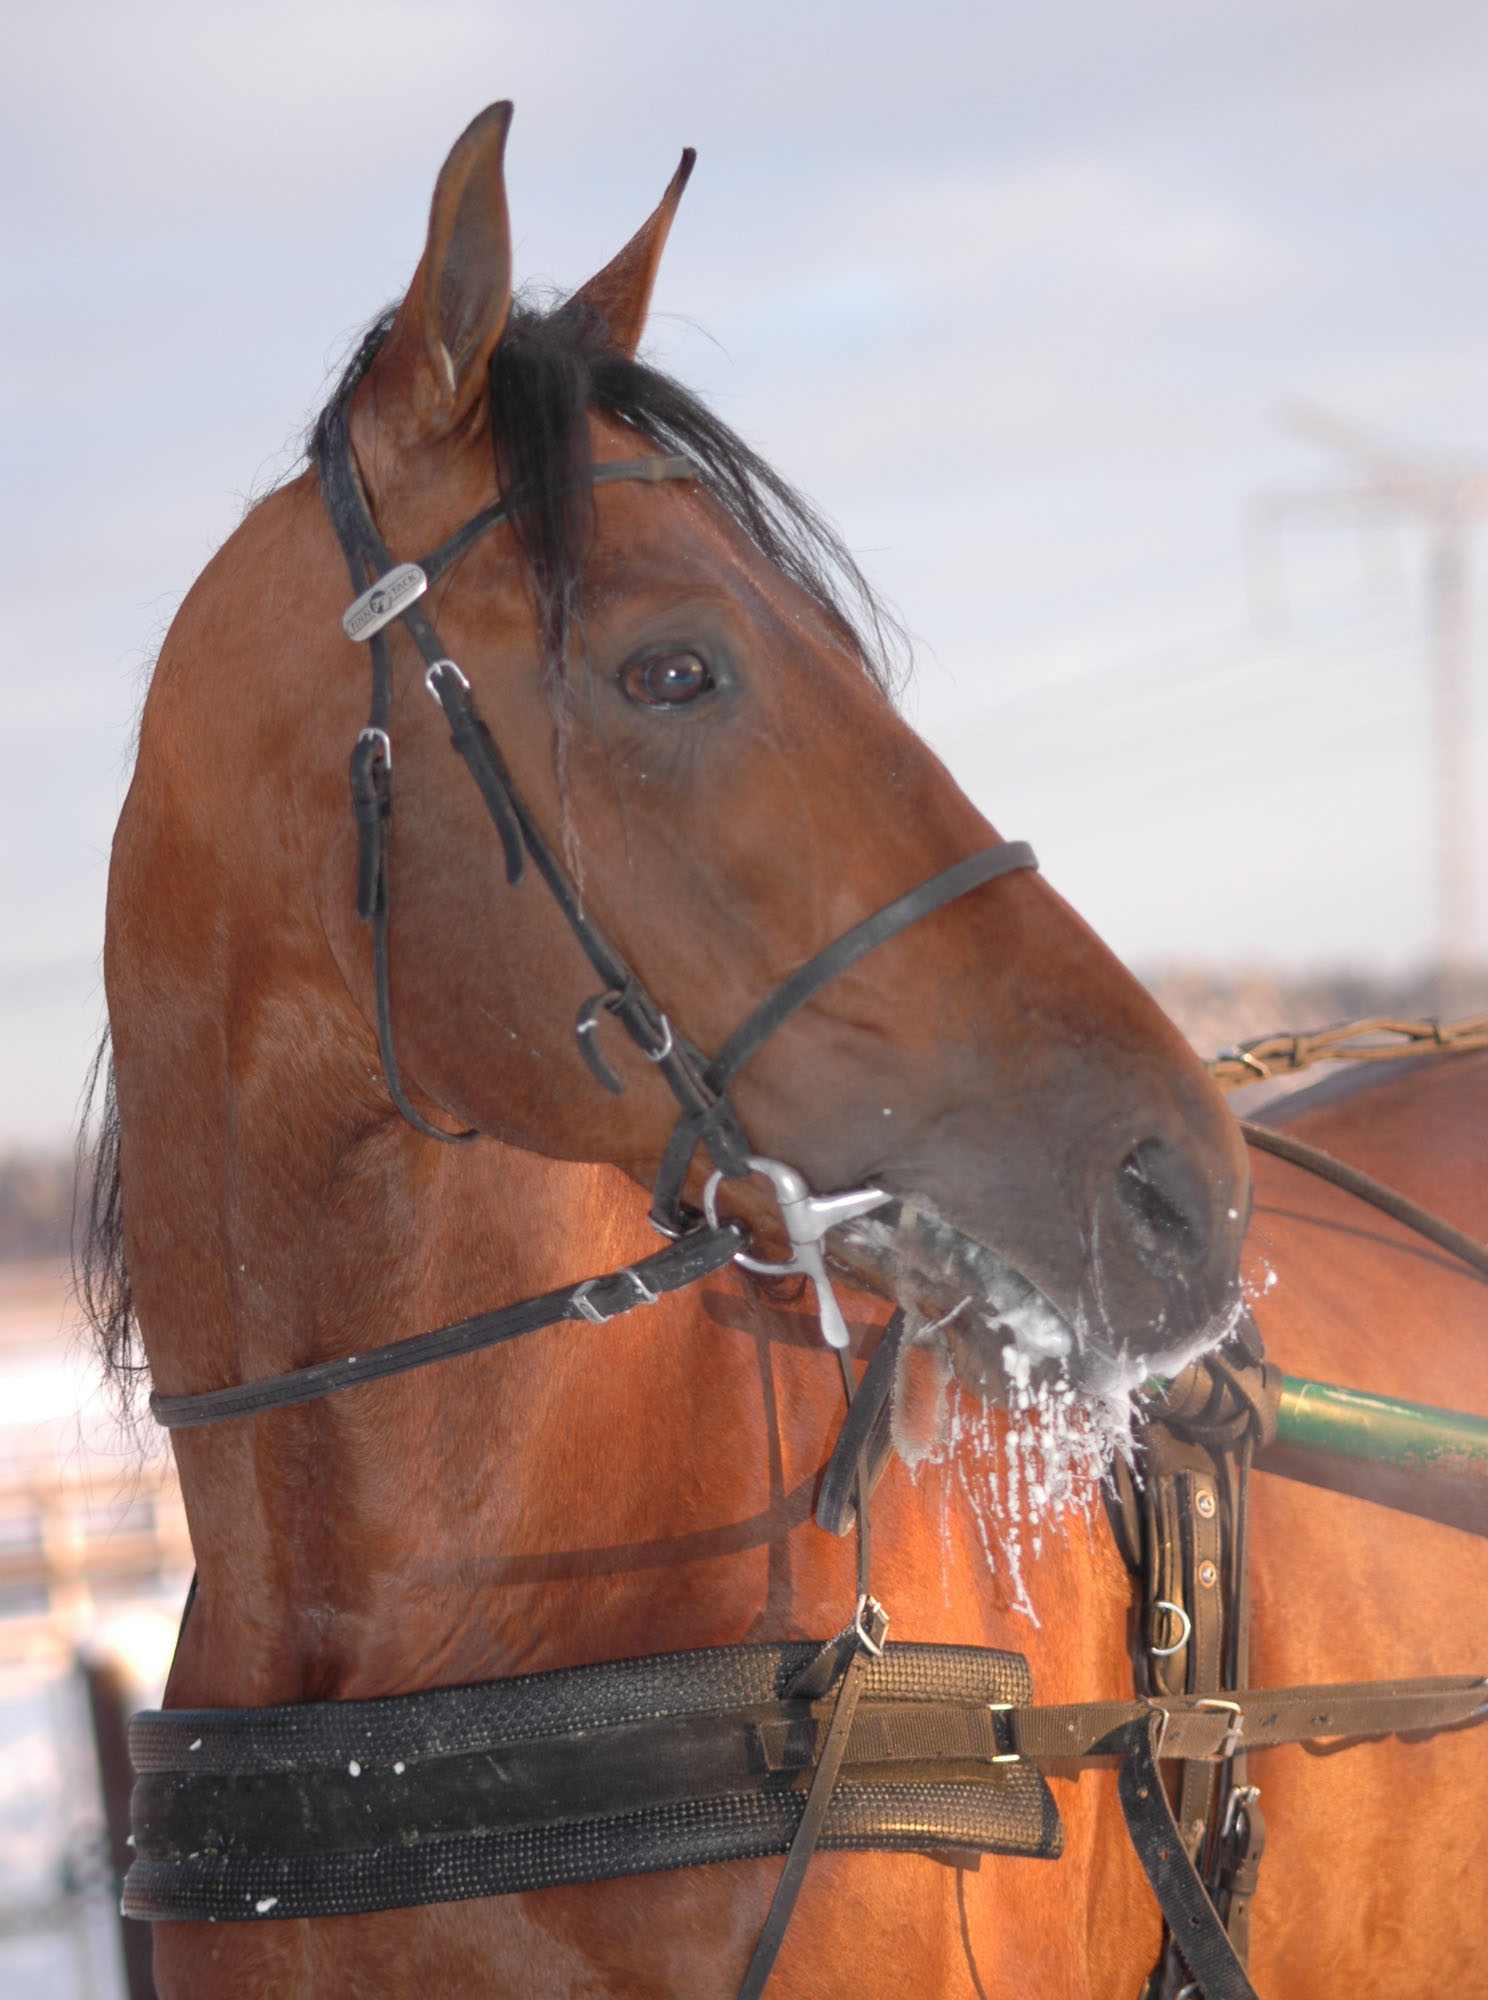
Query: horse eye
point(667, 680)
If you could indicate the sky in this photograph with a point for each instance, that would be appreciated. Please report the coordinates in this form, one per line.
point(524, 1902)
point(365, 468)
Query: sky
point(1021, 296)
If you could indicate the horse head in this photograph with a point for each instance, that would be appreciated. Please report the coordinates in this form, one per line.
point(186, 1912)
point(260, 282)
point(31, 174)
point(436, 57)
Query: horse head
point(685, 678)
point(683, 699)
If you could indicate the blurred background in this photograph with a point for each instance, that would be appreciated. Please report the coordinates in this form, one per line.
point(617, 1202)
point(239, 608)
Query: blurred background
point(1139, 350)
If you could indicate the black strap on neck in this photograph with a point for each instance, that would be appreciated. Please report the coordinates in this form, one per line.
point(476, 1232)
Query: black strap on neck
point(1265, 1139)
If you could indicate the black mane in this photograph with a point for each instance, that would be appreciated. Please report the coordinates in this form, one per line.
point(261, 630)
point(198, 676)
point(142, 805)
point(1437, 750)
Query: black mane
point(553, 367)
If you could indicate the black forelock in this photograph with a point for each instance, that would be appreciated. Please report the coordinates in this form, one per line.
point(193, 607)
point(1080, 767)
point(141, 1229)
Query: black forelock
point(553, 367)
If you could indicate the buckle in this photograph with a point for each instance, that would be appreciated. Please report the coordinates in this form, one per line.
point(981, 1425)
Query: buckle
point(870, 1626)
point(581, 1296)
point(1231, 1742)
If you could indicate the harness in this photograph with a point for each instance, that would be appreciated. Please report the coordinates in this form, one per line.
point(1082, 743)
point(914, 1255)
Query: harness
point(586, 1774)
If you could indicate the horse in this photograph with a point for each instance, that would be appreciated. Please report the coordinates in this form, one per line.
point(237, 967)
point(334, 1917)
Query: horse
point(692, 694)
point(1375, 1851)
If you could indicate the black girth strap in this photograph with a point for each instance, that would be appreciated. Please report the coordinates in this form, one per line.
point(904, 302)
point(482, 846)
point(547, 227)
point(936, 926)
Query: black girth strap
point(328, 1808)
point(585, 1774)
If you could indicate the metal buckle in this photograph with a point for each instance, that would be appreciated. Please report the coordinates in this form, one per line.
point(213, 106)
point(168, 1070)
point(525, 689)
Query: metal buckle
point(383, 741)
point(580, 1296)
point(1240, 1797)
point(1232, 1735)
point(878, 1618)
point(381, 602)
point(807, 1218)
point(443, 667)
point(1004, 1756)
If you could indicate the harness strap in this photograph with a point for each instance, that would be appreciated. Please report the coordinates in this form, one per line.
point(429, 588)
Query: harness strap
point(846, 1661)
point(862, 1431)
point(1190, 1916)
point(866, 1646)
point(596, 1300)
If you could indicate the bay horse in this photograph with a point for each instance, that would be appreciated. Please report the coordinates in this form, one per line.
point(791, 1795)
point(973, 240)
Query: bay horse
point(1376, 1853)
point(705, 738)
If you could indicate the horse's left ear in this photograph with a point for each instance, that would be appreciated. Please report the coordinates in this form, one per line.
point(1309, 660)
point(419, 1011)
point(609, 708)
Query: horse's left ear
point(621, 292)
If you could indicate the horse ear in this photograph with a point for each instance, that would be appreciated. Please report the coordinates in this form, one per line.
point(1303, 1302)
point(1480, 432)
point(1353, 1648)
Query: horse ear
point(452, 320)
point(621, 292)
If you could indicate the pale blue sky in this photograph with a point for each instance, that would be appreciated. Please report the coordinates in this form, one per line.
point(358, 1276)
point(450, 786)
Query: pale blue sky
point(1015, 293)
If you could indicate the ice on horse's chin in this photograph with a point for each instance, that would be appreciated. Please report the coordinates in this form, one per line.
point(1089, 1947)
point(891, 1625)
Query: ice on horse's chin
point(998, 1328)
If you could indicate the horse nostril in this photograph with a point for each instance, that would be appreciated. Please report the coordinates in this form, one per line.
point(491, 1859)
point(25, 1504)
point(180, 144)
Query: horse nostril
point(1156, 1187)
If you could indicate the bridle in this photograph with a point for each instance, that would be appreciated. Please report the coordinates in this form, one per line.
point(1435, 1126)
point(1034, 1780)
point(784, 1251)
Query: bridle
point(390, 592)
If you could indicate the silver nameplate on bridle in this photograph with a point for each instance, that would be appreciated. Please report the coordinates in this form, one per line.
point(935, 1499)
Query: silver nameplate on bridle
point(383, 601)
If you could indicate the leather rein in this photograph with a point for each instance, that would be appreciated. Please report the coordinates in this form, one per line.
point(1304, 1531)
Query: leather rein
point(749, 1750)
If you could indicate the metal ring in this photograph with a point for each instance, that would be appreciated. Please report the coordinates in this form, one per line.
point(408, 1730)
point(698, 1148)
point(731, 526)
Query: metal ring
point(384, 742)
point(761, 1265)
point(1166, 1652)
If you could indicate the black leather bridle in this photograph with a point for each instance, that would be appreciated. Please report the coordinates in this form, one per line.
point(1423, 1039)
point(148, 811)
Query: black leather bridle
point(390, 592)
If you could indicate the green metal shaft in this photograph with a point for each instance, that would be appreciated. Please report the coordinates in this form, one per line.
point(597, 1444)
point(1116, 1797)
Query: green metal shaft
point(1317, 1416)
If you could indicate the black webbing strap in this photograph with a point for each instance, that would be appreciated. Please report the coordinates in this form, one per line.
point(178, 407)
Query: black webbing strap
point(806, 981)
point(596, 1300)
